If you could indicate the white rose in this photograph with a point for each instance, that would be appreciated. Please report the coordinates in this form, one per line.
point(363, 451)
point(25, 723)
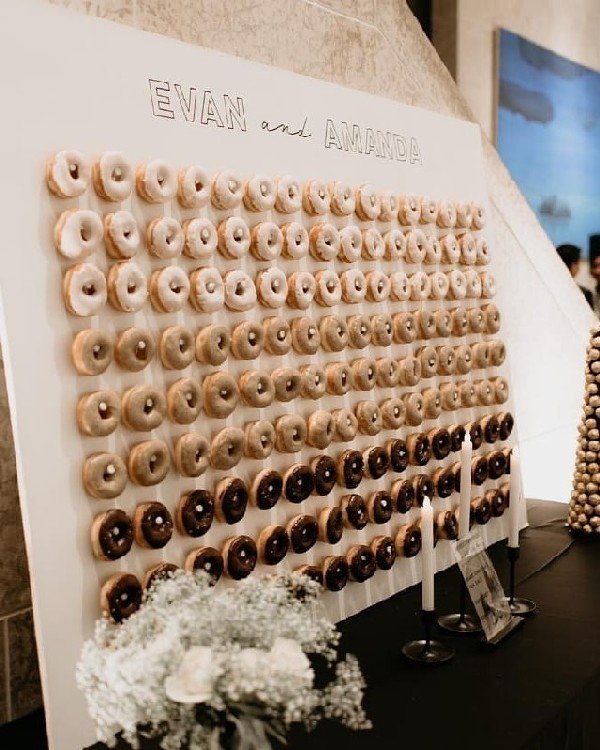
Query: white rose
point(291, 658)
point(193, 682)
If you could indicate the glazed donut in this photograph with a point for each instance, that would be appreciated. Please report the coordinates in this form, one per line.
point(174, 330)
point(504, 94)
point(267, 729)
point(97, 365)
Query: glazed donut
point(271, 287)
point(381, 329)
point(477, 216)
point(468, 249)
point(420, 286)
point(400, 286)
point(485, 392)
point(443, 322)
point(301, 290)
point(423, 487)
point(312, 382)
point(346, 425)
point(457, 284)
point(475, 433)
point(191, 454)
point(260, 439)
point(468, 394)
point(259, 193)
point(286, 382)
point(288, 198)
point(152, 525)
point(433, 252)
point(342, 198)
point(476, 319)
point(195, 513)
point(306, 338)
point(446, 525)
point(426, 324)
point(169, 288)
point(127, 286)
point(148, 463)
point(497, 501)
point(483, 253)
point(338, 378)
point(233, 238)
point(295, 241)
point(298, 483)
point(220, 395)
point(413, 403)
point(321, 429)
point(84, 289)
point(290, 433)
point(331, 525)
point(334, 333)
point(68, 174)
point(388, 206)
point(273, 544)
point(111, 534)
point(443, 484)
point(491, 428)
point(376, 462)
point(165, 237)
point(464, 215)
point(354, 511)
point(193, 187)
point(479, 470)
point(481, 355)
point(403, 495)
point(385, 552)
point(277, 336)
point(450, 249)
point(497, 353)
point(92, 352)
point(316, 200)
point(240, 292)
point(394, 243)
point(496, 461)
point(257, 389)
point(432, 401)
point(156, 182)
point(212, 344)
point(409, 210)
point(121, 596)
point(266, 241)
point(429, 211)
point(446, 217)
point(266, 489)
point(429, 361)
point(77, 234)
point(388, 372)
point(460, 322)
point(184, 399)
point(373, 246)
point(324, 471)
point(361, 563)
point(464, 359)
point(488, 285)
point(440, 285)
point(378, 286)
point(492, 318)
point(440, 441)
point(419, 449)
point(160, 572)
point(121, 235)
point(227, 448)
point(143, 408)
point(135, 349)
point(359, 330)
point(207, 290)
point(368, 414)
point(206, 560)
point(409, 370)
point(474, 286)
point(367, 202)
point(350, 239)
point(457, 435)
point(416, 246)
point(507, 423)
point(303, 532)
point(98, 413)
point(500, 386)
point(240, 556)
point(393, 413)
point(450, 396)
point(397, 451)
point(324, 242)
point(446, 360)
point(226, 191)
point(247, 340)
point(335, 573)
point(364, 373)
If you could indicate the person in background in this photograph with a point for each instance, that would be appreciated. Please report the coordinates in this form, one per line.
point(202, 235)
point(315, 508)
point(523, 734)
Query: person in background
point(571, 257)
point(595, 273)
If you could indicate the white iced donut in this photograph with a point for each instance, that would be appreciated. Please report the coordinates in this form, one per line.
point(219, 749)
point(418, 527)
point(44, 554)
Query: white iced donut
point(409, 210)
point(450, 249)
point(464, 217)
point(78, 233)
point(420, 286)
point(477, 216)
point(201, 238)
point(350, 244)
point(429, 211)
point(395, 245)
point(193, 187)
point(378, 286)
point(295, 240)
point(121, 235)
point(389, 206)
point(84, 289)
point(416, 246)
point(446, 217)
point(271, 287)
point(329, 288)
point(227, 190)
point(169, 289)
point(207, 290)
point(458, 284)
point(301, 290)
point(342, 198)
point(259, 193)
point(266, 241)
point(483, 252)
point(439, 285)
point(288, 195)
point(488, 285)
point(368, 204)
point(354, 286)
point(234, 237)
point(473, 284)
point(324, 242)
point(468, 249)
point(240, 292)
point(373, 246)
point(127, 286)
point(68, 174)
point(316, 200)
point(112, 175)
point(156, 181)
point(399, 286)
point(433, 251)
point(165, 237)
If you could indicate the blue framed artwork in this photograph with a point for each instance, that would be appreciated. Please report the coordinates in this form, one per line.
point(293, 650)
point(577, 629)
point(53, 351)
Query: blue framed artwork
point(548, 135)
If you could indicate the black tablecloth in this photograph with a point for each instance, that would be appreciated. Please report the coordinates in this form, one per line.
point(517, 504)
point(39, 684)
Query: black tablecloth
point(540, 690)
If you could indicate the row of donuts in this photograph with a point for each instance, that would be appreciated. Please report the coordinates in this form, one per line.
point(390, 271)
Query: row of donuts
point(78, 233)
point(69, 174)
point(121, 594)
point(92, 350)
point(86, 289)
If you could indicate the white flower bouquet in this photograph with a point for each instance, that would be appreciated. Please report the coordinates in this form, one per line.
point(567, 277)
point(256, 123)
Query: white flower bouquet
point(199, 667)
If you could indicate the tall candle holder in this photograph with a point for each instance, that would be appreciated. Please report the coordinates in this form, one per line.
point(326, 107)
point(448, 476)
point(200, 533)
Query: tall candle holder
point(518, 605)
point(427, 650)
point(461, 622)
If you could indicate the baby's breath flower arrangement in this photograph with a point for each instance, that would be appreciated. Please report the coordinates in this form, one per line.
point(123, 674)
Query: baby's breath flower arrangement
point(203, 668)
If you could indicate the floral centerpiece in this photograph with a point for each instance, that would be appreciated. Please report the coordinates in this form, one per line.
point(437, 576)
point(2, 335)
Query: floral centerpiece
point(199, 667)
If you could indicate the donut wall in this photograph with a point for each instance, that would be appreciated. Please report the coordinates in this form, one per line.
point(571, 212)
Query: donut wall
point(248, 318)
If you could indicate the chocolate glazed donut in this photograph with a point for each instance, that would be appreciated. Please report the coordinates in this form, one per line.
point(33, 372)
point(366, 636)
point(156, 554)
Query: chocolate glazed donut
point(159, 572)
point(335, 573)
point(384, 551)
point(507, 454)
point(311, 571)
point(298, 483)
point(350, 469)
point(240, 557)
point(266, 489)
point(331, 525)
point(441, 442)
point(273, 544)
point(475, 431)
point(419, 449)
point(153, 525)
point(479, 470)
point(491, 428)
point(324, 472)
point(481, 510)
point(195, 512)
point(361, 562)
point(354, 510)
point(496, 461)
point(403, 495)
point(376, 462)
point(497, 502)
point(408, 541)
point(457, 436)
point(112, 534)
point(505, 492)
point(423, 487)
point(506, 424)
point(455, 468)
point(443, 481)
point(231, 499)
point(397, 451)
point(303, 532)
point(447, 525)
point(379, 506)
point(207, 560)
point(121, 596)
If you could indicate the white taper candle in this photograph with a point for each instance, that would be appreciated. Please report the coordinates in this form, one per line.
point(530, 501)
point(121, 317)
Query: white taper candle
point(427, 556)
point(464, 512)
point(516, 498)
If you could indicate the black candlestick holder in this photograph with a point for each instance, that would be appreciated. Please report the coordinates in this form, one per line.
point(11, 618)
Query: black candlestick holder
point(427, 650)
point(461, 623)
point(518, 606)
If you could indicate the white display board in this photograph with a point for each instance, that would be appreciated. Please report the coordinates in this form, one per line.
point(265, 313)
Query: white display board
point(75, 82)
